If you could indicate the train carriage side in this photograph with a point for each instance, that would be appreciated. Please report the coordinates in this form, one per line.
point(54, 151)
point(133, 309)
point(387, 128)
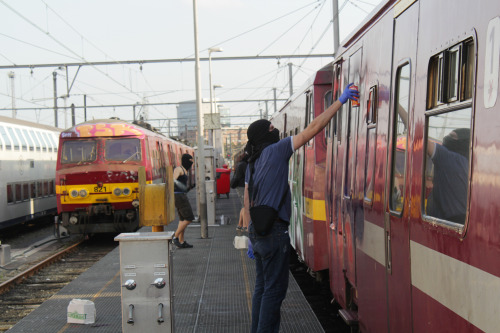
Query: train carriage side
point(314, 219)
point(307, 169)
point(27, 170)
point(356, 175)
point(419, 183)
point(454, 251)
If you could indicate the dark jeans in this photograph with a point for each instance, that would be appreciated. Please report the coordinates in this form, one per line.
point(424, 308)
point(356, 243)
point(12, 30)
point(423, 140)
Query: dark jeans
point(271, 261)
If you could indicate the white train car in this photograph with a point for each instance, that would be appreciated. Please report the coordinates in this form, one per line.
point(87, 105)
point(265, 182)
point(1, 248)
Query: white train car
point(28, 156)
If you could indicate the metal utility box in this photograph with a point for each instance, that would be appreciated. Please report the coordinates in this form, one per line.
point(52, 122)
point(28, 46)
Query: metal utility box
point(210, 188)
point(146, 279)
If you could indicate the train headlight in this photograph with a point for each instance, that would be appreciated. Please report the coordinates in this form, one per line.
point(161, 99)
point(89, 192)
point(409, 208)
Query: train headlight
point(135, 203)
point(83, 193)
point(117, 191)
point(73, 193)
point(126, 191)
point(73, 219)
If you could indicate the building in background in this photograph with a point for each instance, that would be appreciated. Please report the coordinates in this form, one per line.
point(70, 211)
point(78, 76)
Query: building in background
point(234, 139)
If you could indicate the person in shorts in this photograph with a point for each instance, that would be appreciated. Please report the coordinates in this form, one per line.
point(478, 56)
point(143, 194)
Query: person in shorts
point(182, 204)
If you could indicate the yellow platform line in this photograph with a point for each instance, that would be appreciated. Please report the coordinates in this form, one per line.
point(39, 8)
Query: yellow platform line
point(247, 283)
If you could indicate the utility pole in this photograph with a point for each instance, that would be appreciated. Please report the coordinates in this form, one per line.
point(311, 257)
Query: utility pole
point(335, 4)
point(290, 80)
point(54, 74)
point(275, 106)
point(200, 172)
point(11, 77)
point(85, 107)
point(72, 114)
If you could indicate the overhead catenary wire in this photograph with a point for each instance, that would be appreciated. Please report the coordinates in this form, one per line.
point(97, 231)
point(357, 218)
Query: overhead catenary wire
point(47, 33)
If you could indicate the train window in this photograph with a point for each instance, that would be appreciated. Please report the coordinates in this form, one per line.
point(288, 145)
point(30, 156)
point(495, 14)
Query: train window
point(452, 68)
point(447, 165)
point(467, 70)
point(10, 194)
point(433, 82)
point(39, 192)
point(13, 137)
point(33, 190)
point(337, 119)
point(309, 112)
point(350, 151)
point(52, 141)
point(47, 140)
point(18, 193)
point(78, 151)
point(26, 191)
point(5, 138)
point(37, 143)
point(123, 150)
point(24, 145)
point(371, 109)
point(45, 188)
point(327, 102)
point(371, 144)
point(28, 138)
point(42, 141)
point(399, 138)
point(450, 75)
point(52, 187)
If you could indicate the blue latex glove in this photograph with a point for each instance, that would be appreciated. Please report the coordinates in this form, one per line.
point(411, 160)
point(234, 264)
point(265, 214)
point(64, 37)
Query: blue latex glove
point(250, 250)
point(349, 94)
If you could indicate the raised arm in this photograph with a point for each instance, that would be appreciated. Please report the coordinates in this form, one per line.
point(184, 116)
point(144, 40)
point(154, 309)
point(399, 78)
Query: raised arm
point(322, 120)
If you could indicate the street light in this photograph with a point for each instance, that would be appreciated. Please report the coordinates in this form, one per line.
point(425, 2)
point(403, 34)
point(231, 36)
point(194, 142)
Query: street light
point(215, 86)
point(212, 132)
point(210, 50)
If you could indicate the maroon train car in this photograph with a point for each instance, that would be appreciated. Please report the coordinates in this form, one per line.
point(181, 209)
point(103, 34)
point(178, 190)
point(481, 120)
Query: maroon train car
point(413, 173)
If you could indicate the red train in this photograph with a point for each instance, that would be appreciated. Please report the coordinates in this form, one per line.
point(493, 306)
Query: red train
point(397, 198)
point(97, 173)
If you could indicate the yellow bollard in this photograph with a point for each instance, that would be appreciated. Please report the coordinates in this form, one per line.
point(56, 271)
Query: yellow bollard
point(156, 201)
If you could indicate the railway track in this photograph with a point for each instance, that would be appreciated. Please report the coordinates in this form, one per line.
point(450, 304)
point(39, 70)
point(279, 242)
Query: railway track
point(25, 292)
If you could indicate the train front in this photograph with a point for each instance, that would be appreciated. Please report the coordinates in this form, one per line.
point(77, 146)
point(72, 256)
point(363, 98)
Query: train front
point(97, 177)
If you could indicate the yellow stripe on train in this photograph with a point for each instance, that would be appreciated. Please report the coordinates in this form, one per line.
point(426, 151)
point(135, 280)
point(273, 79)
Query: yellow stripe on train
point(92, 193)
point(315, 209)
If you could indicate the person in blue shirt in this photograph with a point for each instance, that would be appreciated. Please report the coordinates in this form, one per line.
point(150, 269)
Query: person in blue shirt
point(269, 158)
point(448, 198)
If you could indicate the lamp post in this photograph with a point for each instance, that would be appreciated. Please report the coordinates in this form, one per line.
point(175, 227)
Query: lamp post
point(200, 172)
point(215, 110)
point(210, 51)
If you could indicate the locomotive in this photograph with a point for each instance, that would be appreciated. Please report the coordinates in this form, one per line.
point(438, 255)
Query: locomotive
point(396, 197)
point(97, 173)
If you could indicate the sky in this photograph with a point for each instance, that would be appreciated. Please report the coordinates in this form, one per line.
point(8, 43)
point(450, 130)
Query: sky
point(36, 32)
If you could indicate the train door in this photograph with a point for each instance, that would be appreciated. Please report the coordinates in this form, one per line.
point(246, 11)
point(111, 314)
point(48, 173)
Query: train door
point(333, 186)
point(348, 208)
point(295, 182)
point(397, 191)
point(298, 178)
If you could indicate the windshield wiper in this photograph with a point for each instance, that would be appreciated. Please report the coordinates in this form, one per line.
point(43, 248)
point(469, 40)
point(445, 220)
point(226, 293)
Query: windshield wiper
point(130, 157)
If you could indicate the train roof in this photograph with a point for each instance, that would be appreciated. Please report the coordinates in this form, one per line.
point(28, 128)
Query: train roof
point(110, 127)
point(15, 121)
point(370, 19)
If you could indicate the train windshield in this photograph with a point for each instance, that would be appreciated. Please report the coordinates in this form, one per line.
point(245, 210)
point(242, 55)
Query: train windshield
point(79, 151)
point(123, 150)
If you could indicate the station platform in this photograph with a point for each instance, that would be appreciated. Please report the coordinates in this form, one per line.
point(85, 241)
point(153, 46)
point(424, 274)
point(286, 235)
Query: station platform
point(213, 285)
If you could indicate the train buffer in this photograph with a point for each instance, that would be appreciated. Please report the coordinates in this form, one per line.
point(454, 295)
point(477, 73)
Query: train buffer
point(212, 284)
